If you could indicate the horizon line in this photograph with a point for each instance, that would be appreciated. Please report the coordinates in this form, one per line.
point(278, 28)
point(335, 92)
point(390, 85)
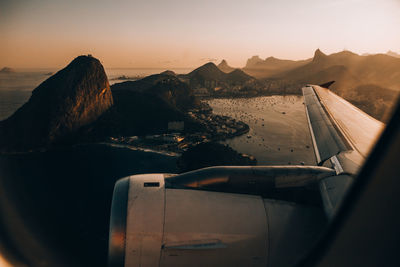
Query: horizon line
point(189, 67)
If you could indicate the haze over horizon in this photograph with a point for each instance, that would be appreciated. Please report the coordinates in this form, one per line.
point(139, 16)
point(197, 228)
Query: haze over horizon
point(177, 33)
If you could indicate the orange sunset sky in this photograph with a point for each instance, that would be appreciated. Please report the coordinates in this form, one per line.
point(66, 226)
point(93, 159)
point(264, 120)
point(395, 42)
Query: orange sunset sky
point(184, 33)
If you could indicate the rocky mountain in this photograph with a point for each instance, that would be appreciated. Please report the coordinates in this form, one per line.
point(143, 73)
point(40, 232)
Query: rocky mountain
point(70, 99)
point(225, 67)
point(265, 68)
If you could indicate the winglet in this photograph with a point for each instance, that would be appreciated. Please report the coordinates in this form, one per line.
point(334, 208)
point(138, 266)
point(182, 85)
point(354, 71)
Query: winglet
point(326, 85)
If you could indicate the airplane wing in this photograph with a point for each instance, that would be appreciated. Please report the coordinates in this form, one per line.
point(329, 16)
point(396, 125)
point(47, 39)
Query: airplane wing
point(337, 127)
point(342, 137)
point(243, 216)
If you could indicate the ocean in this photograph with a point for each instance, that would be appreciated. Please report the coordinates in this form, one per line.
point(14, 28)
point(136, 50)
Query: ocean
point(279, 133)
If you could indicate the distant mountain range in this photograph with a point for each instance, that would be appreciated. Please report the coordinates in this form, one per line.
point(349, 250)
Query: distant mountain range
point(78, 102)
point(260, 68)
point(347, 69)
point(370, 82)
point(389, 53)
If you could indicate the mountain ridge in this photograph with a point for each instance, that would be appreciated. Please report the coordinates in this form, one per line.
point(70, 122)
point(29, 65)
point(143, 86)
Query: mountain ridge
point(382, 70)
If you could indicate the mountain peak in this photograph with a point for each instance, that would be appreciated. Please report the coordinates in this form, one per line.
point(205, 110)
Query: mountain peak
point(253, 61)
point(225, 67)
point(210, 66)
point(208, 71)
point(318, 55)
point(256, 57)
point(168, 72)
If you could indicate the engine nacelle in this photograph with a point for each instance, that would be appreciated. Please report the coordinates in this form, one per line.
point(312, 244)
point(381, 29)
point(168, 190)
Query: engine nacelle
point(155, 222)
point(176, 227)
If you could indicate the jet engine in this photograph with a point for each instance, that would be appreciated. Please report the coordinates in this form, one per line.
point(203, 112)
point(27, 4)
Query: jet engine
point(220, 216)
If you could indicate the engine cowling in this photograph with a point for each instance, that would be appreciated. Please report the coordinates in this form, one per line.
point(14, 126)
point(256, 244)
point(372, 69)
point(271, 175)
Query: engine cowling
point(177, 227)
point(200, 219)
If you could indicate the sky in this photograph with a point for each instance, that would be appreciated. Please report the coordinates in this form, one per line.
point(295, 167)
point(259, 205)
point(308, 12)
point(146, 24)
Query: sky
point(185, 33)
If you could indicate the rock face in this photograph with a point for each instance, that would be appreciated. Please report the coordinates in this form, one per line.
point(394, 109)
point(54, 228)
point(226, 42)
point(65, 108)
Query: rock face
point(74, 97)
